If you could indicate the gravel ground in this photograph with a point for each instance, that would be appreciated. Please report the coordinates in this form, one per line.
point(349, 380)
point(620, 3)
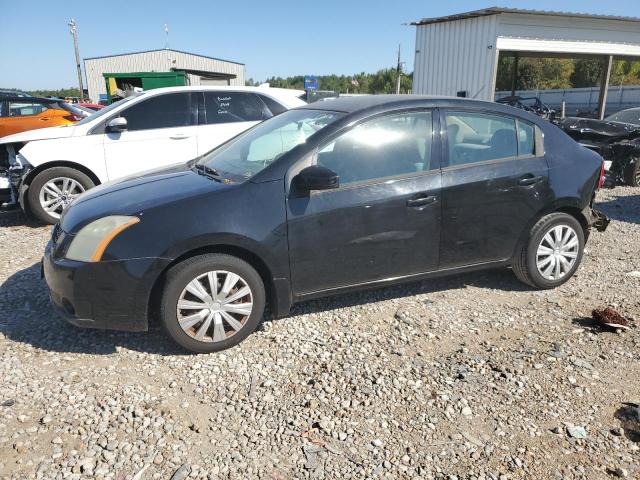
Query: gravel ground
point(467, 377)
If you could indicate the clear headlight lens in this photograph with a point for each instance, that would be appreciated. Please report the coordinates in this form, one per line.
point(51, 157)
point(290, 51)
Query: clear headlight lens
point(92, 240)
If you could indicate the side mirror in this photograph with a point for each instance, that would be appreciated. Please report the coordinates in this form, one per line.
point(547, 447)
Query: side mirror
point(118, 124)
point(317, 178)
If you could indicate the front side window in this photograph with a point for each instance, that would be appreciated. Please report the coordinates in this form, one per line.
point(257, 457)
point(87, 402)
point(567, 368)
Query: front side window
point(260, 146)
point(230, 107)
point(161, 111)
point(477, 137)
point(390, 146)
point(25, 109)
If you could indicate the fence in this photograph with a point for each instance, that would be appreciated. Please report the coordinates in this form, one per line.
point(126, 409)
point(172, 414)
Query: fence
point(581, 100)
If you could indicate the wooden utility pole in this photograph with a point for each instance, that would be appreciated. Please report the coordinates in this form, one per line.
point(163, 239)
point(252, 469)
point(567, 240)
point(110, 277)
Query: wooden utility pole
point(398, 72)
point(73, 29)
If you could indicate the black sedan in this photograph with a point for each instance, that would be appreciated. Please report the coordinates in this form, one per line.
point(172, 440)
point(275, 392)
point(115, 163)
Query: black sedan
point(340, 195)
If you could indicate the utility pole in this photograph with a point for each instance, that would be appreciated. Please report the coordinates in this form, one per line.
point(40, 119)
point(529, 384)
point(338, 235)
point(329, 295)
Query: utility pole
point(398, 73)
point(73, 29)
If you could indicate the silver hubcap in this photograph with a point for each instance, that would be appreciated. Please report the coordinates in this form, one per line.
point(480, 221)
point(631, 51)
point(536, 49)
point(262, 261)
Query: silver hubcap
point(58, 193)
point(214, 306)
point(557, 252)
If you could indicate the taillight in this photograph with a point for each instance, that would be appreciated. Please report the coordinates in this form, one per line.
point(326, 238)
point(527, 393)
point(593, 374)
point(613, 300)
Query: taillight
point(601, 179)
point(72, 118)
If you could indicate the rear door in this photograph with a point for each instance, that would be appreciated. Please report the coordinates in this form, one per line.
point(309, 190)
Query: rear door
point(384, 219)
point(226, 114)
point(161, 130)
point(494, 180)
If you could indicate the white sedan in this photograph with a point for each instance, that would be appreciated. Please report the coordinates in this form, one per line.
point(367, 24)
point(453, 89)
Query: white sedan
point(49, 167)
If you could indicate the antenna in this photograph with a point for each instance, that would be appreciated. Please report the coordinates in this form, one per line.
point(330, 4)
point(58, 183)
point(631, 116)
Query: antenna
point(166, 32)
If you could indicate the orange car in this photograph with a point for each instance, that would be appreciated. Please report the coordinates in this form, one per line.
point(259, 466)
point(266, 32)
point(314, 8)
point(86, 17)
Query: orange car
point(18, 114)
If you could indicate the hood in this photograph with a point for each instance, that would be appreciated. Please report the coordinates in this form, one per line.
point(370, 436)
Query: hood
point(590, 128)
point(133, 195)
point(39, 134)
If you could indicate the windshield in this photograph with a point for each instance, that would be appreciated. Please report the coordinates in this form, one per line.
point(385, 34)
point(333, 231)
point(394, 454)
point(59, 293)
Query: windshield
point(262, 145)
point(626, 116)
point(107, 110)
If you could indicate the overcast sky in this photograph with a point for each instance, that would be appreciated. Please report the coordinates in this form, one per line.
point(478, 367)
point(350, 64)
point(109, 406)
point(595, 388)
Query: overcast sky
point(278, 38)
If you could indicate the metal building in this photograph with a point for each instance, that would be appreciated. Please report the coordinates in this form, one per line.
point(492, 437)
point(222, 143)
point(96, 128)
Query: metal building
point(458, 54)
point(201, 70)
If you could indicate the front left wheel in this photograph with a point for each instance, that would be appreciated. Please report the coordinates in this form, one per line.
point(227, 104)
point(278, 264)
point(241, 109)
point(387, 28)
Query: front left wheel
point(53, 189)
point(211, 302)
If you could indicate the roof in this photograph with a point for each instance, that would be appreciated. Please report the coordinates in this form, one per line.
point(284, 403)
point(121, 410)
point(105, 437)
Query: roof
point(18, 98)
point(163, 50)
point(498, 10)
point(353, 104)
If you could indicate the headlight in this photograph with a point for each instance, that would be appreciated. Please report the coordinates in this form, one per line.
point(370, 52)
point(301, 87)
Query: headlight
point(91, 241)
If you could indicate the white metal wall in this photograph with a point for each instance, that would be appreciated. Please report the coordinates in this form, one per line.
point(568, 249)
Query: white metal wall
point(456, 56)
point(154, 61)
point(463, 54)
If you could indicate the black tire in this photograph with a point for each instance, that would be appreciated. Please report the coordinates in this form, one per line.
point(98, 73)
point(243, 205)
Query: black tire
point(176, 281)
point(632, 175)
point(33, 193)
point(524, 263)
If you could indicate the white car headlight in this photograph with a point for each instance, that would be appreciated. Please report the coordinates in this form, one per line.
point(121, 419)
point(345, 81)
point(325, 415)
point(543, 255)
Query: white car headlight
point(91, 241)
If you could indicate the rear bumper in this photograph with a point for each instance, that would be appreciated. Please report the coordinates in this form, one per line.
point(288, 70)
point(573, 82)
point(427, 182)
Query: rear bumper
point(107, 295)
point(596, 219)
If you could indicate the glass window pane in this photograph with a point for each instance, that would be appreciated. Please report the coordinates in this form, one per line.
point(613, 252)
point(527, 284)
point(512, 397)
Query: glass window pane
point(388, 147)
point(262, 145)
point(526, 138)
point(477, 137)
point(163, 111)
point(223, 107)
point(23, 109)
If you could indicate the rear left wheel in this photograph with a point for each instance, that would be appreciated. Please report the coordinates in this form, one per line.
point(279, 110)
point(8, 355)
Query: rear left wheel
point(212, 302)
point(552, 253)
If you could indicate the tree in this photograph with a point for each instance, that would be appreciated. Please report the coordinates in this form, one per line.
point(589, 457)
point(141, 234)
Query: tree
point(587, 73)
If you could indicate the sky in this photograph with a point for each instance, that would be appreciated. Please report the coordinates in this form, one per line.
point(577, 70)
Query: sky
point(272, 38)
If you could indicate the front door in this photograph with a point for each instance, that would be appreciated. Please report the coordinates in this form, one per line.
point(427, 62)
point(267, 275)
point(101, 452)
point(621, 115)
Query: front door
point(494, 181)
point(384, 219)
point(161, 131)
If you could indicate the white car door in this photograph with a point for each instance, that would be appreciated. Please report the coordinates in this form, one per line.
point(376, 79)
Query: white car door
point(226, 115)
point(161, 130)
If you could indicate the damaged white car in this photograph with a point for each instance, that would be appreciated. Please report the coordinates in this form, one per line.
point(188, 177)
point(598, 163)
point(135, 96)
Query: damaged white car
point(43, 170)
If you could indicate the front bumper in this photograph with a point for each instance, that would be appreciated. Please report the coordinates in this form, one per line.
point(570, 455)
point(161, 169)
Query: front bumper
point(110, 295)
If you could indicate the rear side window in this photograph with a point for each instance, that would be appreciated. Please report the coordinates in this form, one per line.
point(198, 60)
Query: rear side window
point(162, 111)
point(526, 138)
point(25, 109)
point(477, 137)
point(231, 107)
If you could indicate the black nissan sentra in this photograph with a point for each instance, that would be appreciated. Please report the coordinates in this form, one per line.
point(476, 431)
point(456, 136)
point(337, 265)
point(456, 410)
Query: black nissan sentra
point(340, 195)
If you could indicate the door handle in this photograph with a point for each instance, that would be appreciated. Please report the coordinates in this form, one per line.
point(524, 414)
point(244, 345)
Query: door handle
point(43, 119)
point(179, 136)
point(530, 180)
point(421, 201)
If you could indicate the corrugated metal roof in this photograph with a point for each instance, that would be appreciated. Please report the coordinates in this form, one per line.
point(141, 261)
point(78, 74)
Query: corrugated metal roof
point(163, 50)
point(498, 10)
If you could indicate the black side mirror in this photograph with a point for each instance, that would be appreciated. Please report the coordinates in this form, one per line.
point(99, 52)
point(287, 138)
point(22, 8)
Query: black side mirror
point(316, 178)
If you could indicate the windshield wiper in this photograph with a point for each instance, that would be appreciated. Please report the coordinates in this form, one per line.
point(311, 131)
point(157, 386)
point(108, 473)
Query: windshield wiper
point(208, 171)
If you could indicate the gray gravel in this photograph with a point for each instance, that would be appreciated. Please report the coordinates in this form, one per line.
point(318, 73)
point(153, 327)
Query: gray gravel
point(469, 377)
